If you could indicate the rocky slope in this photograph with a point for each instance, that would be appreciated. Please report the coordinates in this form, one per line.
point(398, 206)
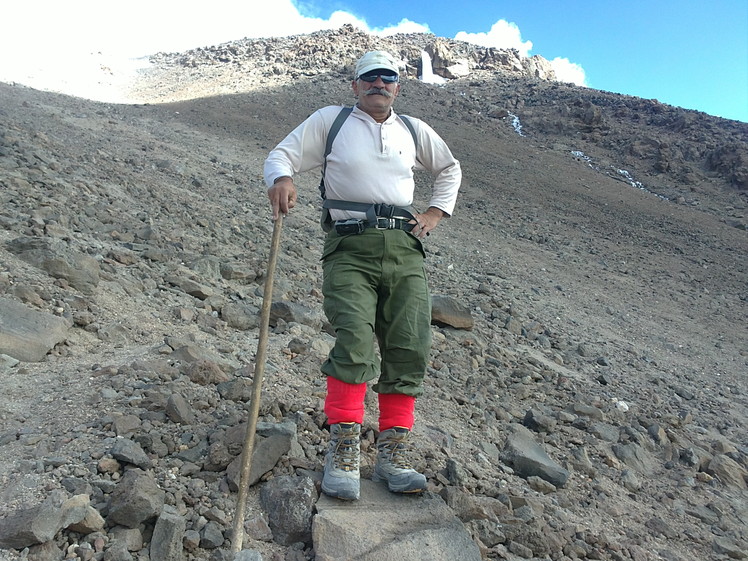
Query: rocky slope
point(599, 246)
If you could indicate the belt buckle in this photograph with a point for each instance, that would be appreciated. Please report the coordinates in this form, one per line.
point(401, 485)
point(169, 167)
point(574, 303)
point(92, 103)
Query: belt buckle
point(389, 223)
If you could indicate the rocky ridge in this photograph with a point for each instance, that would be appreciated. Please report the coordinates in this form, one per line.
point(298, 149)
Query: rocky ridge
point(596, 409)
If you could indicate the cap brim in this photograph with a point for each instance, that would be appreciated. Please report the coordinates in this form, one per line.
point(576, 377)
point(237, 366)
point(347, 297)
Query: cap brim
point(370, 67)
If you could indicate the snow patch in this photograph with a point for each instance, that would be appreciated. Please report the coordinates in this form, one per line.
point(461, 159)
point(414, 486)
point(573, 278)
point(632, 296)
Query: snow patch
point(582, 157)
point(427, 71)
point(516, 124)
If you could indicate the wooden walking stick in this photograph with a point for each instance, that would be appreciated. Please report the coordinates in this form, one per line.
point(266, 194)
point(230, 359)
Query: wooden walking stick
point(254, 408)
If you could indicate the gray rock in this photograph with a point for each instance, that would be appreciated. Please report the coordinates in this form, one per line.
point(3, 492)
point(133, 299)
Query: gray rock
point(289, 504)
point(257, 528)
point(728, 471)
point(520, 550)
point(130, 537)
point(135, 499)
point(490, 449)
point(630, 481)
point(74, 510)
point(445, 310)
point(658, 434)
point(456, 473)
point(513, 325)
point(685, 393)
point(28, 335)
point(248, 555)
point(211, 536)
point(8, 362)
point(168, 535)
point(191, 540)
point(290, 312)
point(205, 372)
point(733, 550)
point(219, 457)
point(91, 522)
point(48, 551)
point(605, 431)
point(237, 271)
point(217, 515)
point(241, 316)
point(195, 455)
point(130, 452)
point(525, 455)
point(125, 424)
point(238, 389)
point(55, 258)
point(588, 411)
point(267, 451)
point(703, 513)
point(384, 526)
point(658, 526)
point(114, 333)
point(634, 456)
point(118, 551)
point(540, 485)
point(188, 353)
point(539, 421)
point(179, 410)
point(487, 531)
point(467, 506)
point(33, 525)
point(191, 287)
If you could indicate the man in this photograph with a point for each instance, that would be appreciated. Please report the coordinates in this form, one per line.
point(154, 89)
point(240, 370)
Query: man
point(374, 282)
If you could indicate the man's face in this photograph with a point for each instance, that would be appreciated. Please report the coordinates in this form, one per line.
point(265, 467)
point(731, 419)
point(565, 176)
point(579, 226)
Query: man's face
point(376, 91)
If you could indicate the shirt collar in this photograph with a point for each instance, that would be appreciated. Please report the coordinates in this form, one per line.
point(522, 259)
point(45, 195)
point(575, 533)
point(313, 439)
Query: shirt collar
point(363, 115)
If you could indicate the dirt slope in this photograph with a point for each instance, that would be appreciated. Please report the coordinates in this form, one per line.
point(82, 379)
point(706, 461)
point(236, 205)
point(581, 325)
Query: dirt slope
point(629, 290)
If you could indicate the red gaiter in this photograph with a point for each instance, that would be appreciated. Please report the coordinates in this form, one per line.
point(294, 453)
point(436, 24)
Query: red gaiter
point(396, 410)
point(344, 402)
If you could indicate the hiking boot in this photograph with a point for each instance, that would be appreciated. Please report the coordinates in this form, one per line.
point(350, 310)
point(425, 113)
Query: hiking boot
point(341, 477)
point(392, 463)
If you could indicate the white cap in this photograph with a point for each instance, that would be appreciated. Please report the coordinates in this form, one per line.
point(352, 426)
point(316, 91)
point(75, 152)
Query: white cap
point(376, 60)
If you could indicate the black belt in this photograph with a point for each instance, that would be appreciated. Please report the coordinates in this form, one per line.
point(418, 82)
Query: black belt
point(353, 226)
point(393, 224)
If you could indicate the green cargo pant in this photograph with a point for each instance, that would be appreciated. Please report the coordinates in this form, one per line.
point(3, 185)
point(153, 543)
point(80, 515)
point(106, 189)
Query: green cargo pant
point(374, 284)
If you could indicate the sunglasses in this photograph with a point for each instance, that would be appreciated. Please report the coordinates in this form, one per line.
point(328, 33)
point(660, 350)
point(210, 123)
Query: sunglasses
point(386, 78)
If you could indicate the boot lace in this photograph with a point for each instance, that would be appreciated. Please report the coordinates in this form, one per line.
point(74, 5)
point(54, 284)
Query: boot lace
point(395, 448)
point(345, 456)
point(346, 452)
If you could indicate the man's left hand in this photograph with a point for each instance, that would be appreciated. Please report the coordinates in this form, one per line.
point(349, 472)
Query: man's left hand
point(426, 222)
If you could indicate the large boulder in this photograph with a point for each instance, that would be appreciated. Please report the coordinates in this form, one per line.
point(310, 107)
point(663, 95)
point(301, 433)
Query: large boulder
point(26, 334)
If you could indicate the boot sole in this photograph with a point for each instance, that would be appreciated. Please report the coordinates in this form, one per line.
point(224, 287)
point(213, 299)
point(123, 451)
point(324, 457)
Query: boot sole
point(341, 496)
point(395, 489)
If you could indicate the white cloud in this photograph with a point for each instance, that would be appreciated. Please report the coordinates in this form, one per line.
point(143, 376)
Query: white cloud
point(507, 35)
point(503, 35)
point(405, 26)
point(82, 46)
point(567, 71)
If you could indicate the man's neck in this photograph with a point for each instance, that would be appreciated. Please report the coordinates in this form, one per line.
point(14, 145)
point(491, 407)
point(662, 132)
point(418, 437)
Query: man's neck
point(379, 117)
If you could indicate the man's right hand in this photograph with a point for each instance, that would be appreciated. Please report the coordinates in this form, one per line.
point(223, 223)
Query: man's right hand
point(282, 196)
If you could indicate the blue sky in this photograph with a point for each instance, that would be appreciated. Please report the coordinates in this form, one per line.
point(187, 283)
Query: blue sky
point(688, 53)
point(692, 54)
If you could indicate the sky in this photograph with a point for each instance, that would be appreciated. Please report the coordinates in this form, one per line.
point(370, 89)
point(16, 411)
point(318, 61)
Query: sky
point(687, 53)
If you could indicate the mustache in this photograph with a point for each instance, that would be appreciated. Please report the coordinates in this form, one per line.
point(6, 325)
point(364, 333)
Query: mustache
point(379, 91)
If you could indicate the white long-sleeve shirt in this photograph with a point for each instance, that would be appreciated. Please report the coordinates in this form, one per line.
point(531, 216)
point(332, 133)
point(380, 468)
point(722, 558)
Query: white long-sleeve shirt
point(369, 162)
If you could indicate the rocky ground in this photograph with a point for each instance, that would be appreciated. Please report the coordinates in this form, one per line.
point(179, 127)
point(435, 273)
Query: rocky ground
point(599, 247)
